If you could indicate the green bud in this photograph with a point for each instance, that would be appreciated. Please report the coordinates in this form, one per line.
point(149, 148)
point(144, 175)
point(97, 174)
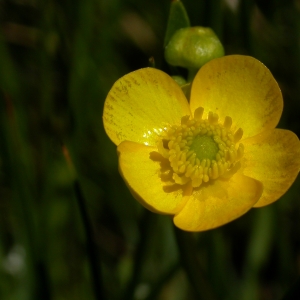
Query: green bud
point(192, 47)
point(179, 80)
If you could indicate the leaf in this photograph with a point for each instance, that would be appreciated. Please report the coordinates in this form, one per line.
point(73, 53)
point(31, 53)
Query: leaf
point(178, 18)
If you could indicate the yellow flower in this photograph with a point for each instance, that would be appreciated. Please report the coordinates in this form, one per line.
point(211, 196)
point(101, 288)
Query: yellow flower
point(210, 161)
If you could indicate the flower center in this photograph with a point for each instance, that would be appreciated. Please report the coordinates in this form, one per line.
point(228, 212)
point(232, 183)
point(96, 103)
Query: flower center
point(205, 147)
point(200, 150)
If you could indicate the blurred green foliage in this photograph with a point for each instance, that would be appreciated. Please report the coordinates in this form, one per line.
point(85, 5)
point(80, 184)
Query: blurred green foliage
point(58, 61)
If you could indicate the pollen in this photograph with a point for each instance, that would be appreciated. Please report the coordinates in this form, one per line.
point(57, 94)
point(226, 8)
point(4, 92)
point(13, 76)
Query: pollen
point(201, 150)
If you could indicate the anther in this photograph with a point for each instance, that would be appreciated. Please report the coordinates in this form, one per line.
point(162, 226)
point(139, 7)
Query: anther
point(181, 169)
point(189, 170)
point(227, 122)
point(198, 113)
point(238, 135)
point(205, 178)
point(214, 171)
point(213, 118)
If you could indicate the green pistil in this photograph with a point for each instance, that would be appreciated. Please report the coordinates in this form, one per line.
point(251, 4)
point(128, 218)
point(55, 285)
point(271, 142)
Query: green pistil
point(205, 147)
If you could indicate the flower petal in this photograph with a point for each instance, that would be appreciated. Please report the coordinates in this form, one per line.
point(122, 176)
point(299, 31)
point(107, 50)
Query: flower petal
point(140, 104)
point(218, 203)
point(145, 173)
point(272, 157)
point(242, 88)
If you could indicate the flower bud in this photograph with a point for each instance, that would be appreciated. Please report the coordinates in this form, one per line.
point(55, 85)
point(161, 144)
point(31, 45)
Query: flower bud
point(192, 47)
point(179, 79)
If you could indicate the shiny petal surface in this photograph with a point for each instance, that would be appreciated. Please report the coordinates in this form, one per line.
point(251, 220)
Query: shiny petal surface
point(218, 203)
point(242, 88)
point(273, 158)
point(140, 104)
point(145, 173)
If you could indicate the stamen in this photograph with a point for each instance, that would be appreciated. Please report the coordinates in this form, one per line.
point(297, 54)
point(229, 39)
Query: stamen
point(164, 152)
point(198, 113)
point(213, 118)
point(184, 120)
point(200, 150)
point(227, 122)
point(238, 135)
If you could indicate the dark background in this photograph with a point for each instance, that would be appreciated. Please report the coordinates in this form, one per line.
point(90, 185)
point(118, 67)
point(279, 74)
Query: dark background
point(58, 60)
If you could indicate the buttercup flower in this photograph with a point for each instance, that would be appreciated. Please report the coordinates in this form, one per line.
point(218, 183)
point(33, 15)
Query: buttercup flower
point(209, 161)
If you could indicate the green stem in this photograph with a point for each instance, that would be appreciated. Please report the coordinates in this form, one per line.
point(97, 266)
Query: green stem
point(90, 244)
point(190, 263)
point(191, 74)
point(258, 250)
point(96, 275)
point(145, 226)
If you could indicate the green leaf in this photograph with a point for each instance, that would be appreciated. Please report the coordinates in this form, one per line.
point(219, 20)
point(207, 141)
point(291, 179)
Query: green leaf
point(178, 18)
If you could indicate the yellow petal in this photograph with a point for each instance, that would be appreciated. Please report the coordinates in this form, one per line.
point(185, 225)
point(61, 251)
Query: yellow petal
point(273, 157)
point(218, 203)
point(142, 167)
point(242, 88)
point(140, 104)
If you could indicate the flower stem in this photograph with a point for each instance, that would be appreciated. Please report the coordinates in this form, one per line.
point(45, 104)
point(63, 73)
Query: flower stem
point(145, 226)
point(192, 266)
point(191, 74)
point(90, 244)
point(96, 275)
